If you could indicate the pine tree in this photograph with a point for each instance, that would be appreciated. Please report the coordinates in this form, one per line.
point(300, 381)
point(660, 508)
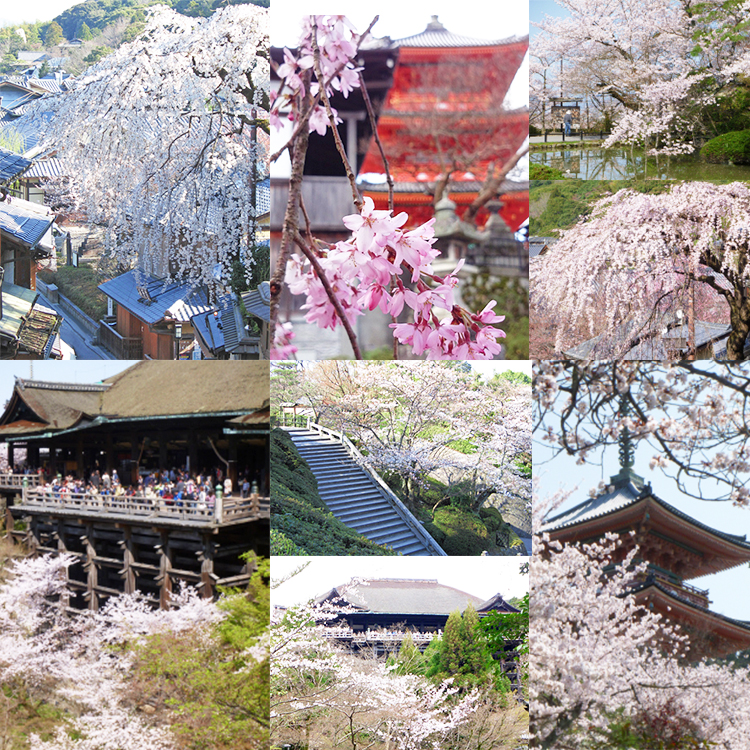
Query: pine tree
point(53, 35)
point(409, 660)
point(473, 654)
point(450, 647)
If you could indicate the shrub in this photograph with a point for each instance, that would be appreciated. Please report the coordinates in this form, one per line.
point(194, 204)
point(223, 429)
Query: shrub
point(543, 172)
point(731, 147)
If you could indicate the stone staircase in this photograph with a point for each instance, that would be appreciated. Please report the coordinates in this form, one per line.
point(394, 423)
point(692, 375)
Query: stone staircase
point(356, 498)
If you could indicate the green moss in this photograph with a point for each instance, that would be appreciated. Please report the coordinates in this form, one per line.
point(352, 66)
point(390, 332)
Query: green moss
point(301, 524)
point(731, 147)
point(464, 533)
point(543, 172)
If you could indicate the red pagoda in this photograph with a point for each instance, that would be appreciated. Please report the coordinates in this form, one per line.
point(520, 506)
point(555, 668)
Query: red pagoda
point(675, 547)
point(444, 114)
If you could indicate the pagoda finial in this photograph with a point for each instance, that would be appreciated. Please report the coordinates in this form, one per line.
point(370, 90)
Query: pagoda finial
point(626, 474)
point(434, 25)
point(627, 453)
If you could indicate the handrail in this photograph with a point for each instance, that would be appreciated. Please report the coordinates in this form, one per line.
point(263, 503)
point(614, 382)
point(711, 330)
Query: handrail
point(406, 515)
point(223, 510)
point(8, 480)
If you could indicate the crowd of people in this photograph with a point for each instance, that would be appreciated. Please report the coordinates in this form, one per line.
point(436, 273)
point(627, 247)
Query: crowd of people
point(174, 487)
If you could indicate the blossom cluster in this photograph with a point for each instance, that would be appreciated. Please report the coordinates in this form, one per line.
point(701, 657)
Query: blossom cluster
point(337, 41)
point(365, 272)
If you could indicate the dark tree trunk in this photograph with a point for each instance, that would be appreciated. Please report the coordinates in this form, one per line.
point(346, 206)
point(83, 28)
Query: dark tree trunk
point(739, 307)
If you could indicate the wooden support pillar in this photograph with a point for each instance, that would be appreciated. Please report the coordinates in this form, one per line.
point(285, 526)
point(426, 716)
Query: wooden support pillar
point(206, 557)
point(32, 536)
point(9, 521)
point(165, 566)
point(62, 548)
point(232, 467)
point(193, 453)
point(135, 452)
point(92, 569)
point(128, 558)
point(11, 457)
point(32, 455)
point(80, 458)
point(162, 451)
point(110, 454)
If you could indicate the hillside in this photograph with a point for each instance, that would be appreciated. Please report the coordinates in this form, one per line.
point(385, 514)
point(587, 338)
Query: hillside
point(301, 524)
point(98, 14)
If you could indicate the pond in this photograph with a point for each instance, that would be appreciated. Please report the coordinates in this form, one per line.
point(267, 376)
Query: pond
point(595, 163)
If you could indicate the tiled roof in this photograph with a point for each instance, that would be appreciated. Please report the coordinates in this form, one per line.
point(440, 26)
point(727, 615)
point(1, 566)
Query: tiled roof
point(37, 334)
point(403, 596)
point(171, 299)
point(436, 35)
point(258, 301)
point(26, 222)
point(11, 166)
point(622, 497)
point(17, 304)
point(50, 167)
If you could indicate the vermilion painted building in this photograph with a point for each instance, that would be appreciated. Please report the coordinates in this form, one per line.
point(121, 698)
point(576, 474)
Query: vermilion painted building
point(676, 547)
point(444, 112)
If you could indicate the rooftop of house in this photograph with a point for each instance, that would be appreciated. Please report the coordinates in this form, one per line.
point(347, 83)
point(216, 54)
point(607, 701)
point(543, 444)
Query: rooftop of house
point(152, 299)
point(28, 223)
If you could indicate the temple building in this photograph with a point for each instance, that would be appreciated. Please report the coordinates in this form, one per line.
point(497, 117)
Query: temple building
point(444, 113)
point(379, 612)
point(676, 548)
point(193, 419)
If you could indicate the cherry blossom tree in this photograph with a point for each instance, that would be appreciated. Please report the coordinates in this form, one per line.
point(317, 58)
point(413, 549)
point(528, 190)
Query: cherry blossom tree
point(383, 265)
point(600, 664)
point(84, 661)
point(638, 259)
point(162, 140)
point(693, 416)
point(663, 63)
point(352, 700)
point(409, 416)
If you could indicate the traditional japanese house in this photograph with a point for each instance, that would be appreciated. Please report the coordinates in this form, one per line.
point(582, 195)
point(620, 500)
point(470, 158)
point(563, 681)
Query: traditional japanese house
point(676, 547)
point(155, 416)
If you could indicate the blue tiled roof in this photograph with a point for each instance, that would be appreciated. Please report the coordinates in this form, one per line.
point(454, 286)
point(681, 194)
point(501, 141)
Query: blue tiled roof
point(26, 222)
point(179, 301)
point(11, 166)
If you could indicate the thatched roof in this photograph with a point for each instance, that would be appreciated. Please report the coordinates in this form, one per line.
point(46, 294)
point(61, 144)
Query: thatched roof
point(153, 388)
point(57, 405)
point(147, 389)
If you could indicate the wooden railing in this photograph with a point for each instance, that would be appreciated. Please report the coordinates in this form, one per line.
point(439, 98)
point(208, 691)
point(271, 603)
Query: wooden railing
point(224, 510)
point(344, 634)
point(10, 481)
point(121, 346)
